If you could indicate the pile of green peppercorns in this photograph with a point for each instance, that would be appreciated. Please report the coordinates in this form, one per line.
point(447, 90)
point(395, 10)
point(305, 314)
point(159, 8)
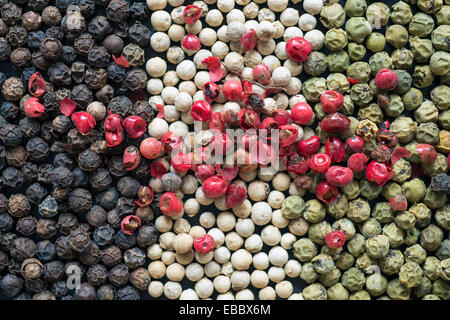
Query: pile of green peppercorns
point(91, 88)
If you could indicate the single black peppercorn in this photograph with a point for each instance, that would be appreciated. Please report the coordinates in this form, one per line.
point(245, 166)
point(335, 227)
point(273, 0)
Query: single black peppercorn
point(119, 275)
point(105, 292)
point(140, 278)
point(10, 13)
point(91, 255)
point(30, 127)
point(78, 240)
point(116, 166)
point(124, 241)
point(38, 150)
point(59, 289)
point(3, 28)
point(7, 240)
point(78, 71)
point(118, 11)
point(114, 218)
point(68, 55)
point(51, 16)
point(37, 287)
point(37, 5)
point(55, 32)
point(3, 260)
point(12, 178)
point(100, 179)
point(96, 78)
point(22, 248)
point(73, 22)
point(139, 34)
point(10, 135)
point(16, 156)
point(9, 110)
point(50, 101)
point(127, 293)
point(59, 74)
point(104, 235)
point(45, 251)
point(14, 266)
point(113, 44)
point(147, 235)
point(11, 285)
point(134, 258)
point(26, 226)
point(116, 74)
point(5, 49)
point(61, 124)
point(63, 249)
point(26, 75)
point(126, 206)
point(83, 44)
point(45, 173)
point(87, 7)
point(39, 61)
point(121, 105)
point(440, 183)
point(145, 214)
point(111, 256)
point(46, 228)
point(18, 205)
point(35, 38)
point(97, 275)
point(98, 57)
point(36, 193)
point(48, 132)
point(108, 198)
point(6, 222)
point(100, 28)
point(48, 208)
point(144, 110)
point(31, 20)
point(128, 186)
point(80, 178)
point(105, 94)
point(135, 80)
point(61, 176)
point(80, 200)
point(66, 223)
point(54, 271)
point(85, 292)
point(88, 160)
point(139, 11)
point(51, 48)
point(81, 95)
point(60, 194)
point(20, 58)
point(31, 269)
point(17, 36)
point(96, 216)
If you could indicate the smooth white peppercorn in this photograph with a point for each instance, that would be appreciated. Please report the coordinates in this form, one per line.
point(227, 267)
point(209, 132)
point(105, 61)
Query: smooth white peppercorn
point(222, 283)
point(218, 236)
point(259, 279)
point(176, 33)
point(175, 55)
point(203, 258)
point(261, 213)
point(204, 288)
point(156, 269)
point(281, 181)
point(154, 252)
point(298, 227)
point(172, 290)
point(287, 240)
point(156, 67)
point(281, 76)
point(214, 18)
point(276, 274)
point(183, 242)
point(292, 268)
point(188, 294)
point(197, 231)
point(289, 17)
point(222, 254)
point(158, 128)
point(292, 32)
point(316, 38)
point(307, 22)
point(261, 261)
point(240, 280)
point(168, 257)
point(278, 256)
point(271, 235)
point(244, 210)
point(253, 243)
point(155, 289)
point(284, 289)
point(175, 272)
point(245, 294)
point(233, 241)
point(185, 258)
point(194, 271)
point(156, 4)
point(160, 20)
point(251, 10)
point(275, 199)
point(278, 220)
point(212, 269)
point(160, 41)
point(258, 190)
point(245, 227)
point(225, 5)
point(267, 293)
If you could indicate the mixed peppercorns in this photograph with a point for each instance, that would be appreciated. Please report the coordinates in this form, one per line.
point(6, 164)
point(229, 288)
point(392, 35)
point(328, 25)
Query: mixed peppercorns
point(98, 176)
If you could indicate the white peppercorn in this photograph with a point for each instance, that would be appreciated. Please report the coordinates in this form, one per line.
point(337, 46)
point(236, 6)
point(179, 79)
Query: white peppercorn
point(156, 269)
point(281, 76)
point(289, 17)
point(292, 32)
point(156, 67)
point(212, 269)
point(158, 128)
point(287, 240)
point(284, 289)
point(259, 279)
point(154, 86)
point(275, 199)
point(160, 41)
point(197, 231)
point(261, 213)
point(194, 271)
point(188, 294)
point(233, 241)
point(214, 18)
point(222, 254)
point(276, 274)
point(225, 5)
point(278, 220)
point(240, 280)
point(203, 258)
point(278, 256)
point(175, 55)
point(245, 294)
point(253, 243)
point(97, 109)
point(218, 236)
point(154, 252)
point(316, 38)
point(292, 268)
point(172, 290)
point(175, 272)
point(204, 288)
point(267, 293)
point(168, 257)
point(155, 289)
point(298, 227)
point(176, 33)
point(261, 261)
point(245, 227)
point(222, 283)
point(244, 210)
point(163, 223)
point(271, 235)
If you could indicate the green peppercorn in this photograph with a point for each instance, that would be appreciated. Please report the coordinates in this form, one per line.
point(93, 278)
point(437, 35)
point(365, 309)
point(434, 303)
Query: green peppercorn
point(372, 112)
point(441, 288)
point(313, 88)
point(397, 35)
point(375, 42)
point(442, 15)
point(356, 245)
point(337, 292)
point(369, 190)
point(424, 288)
point(380, 60)
point(395, 234)
point(440, 36)
point(401, 13)
point(293, 207)
point(332, 16)
point(345, 261)
point(358, 28)
point(323, 263)
point(338, 208)
point(377, 14)
point(439, 165)
point(351, 191)
point(397, 291)
point(390, 190)
point(412, 236)
point(421, 25)
point(355, 8)
point(315, 291)
point(330, 278)
point(440, 96)
point(338, 61)
point(402, 58)
point(314, 211)
point(360, 295)
point(432, 267)
point(308, 273)
point(383, 212)
point(336, 39)
point(358, 210)
point(442, 217)
point(338, 82)
point(410, 274)
point(378, 246)
point(415, 254)
point(361, 94)
point(392, 263)
point(431, 237)
point(422, 49)
point(429, 6)
point(435, 199)
point(412, 99)
point(404, 128)
point(395, 107)
point(304, 250)
point(353, 279)
point(318, 231)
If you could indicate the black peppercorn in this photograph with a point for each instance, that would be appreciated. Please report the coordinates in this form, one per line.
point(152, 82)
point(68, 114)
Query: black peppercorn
point(113, 44)
point(7, 240)
point(105, 292)
point(124, 241)
point(147, 235)
point(127, 293)
point(45, 173)
point(6, 222)
point(61, 176)
point(36, 193)
point(35, 38)
point(97, 275)
point(440, 183)
point(118, 11)
point(26, 226)
point(88, 160)
point(38, 150)
point(96, 78)
point(139, 34)
point(63, 249)
point(61, 124)
point(66, 223)
point(20, 58)
point(80, 179)
point(60, 194)
point(30, 171)
point(18, 205)
point(16, 156)
point(10, 135)
point(98, 57)
point(80, 200)
point(119, 275)
point(11, 285)
point(136, 79)
point(45, 251)
point(51, 16)
point(10, 13)
point(100, 179)
point(91, 255)
point(140, 278)
point(145, 214)
point(115, 73)
point(83, 44)
point(128, 186)
point(113, 218)
point(13, 89)
point(96, 216)
point(31, 269)
point(59, 289)
point(105, 94)
point(68, 55)
point(30, 127)
point(73, 22)
point(12, 178)
point(85, 292)
point(104, 235)
point(31, 20)
point(111, 256)
point(87, 7)
point(17, 36)
point(48, 132)
point(54, 271)
point(3, 203)
point(55, 32)
point(139, 11)
point(5, 49)
point(9, 110)
point(59, 74)
point(108, 198)
point(3, 260)
point(99, 28)
point(23, 248)
point(51, 48)
point(126, 206)
point(39, 61)
point(46, 228)
point(78, 71)
point(14, 266)
point(39, 288)
point(134, 258)
point(81, 95)
point(121, 105)
point(78, 240)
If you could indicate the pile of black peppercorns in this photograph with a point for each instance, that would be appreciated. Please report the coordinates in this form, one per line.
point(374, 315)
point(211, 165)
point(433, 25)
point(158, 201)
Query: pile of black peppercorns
point(63, 195)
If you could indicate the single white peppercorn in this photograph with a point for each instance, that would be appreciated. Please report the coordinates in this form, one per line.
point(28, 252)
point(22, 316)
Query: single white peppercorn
point(203, 258)
point(160, 41)
point(204, 288)
point(194, 271)
point(316, 38)
point(298, 227)
point(266, 47)
point(212, 269)
point(278, 220)
point(156, 67)
point(287, 240)
point(241, 259)
point(182, 243)
point(307, 22)
point(214, 18)
point(225, 5)
point(251, 10)
point(222, 254)
point(225, 296)
point(258, 190)
point(267, 293)
point(156, 269)
point(97, 109)
point(186, 70)
point(188, 294)
point(175, 272)
point(261, 261)
point(284, 289)
point(168, 257)
point(158, 128)
point(281, 76)
point(244, 210)
point(222, 283)
point(245, 294)
point(155, 289)
point(253, 243)
point(160, 20)
point(277, 5)
point(172, 290)
point(207, 37)
point(207, 219)
point(281, 181)
point(292, 268)
point(275, 199)
point(154, 252)
point(185, 258)
point(259, 279)
point(234, 62)
point(197, 231)
point(265, 30)
point(218, 236)
point(289, 17)
point(261, 213)
point(191, 207)
point(240, 280)
point(176, 33)
point(233, 241)
point(202, 198)
point(292, 32)
point(235, 30)
point(245, 227)
point(175, 55)
point(271, 235)
point(278, 256)
point(194, 28)
point(276, 274)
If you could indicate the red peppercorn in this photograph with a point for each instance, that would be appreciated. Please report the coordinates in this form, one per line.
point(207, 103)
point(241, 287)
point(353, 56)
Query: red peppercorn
point(129, 224)
point(399, 202)
point(335, 123)
point(302, 113)
point(335, 239)
point(211, 90)
point(201, 110)
point(145, 196)
point(114, 132)
point(204, 171)
point(204, 244)
point(248, 119)
point(339, 176)
point(217, 121)
point(288, 134)
point(297, 163)
point(84, 121)
point(221, 143)
point(191, 14)
point(298, 49)
point(308, 146)
point(170, 205)
point(67, 106)
point(227, 171)
point(214, 187)
point(249, 40)
point(150, 148)
point(427, 153)
point(261, 153)
point(267, 125)
point(33, 108)
point(284, 151)
point(399, 153)
point(357, 162)
point(261, 73)
point(282, 117)
point(182, 162)
point(232, 90)
point(236, 194)
point(135, 126)
point(332, 101)
point(335, 148)
point(36, 84)
point(326, 192)
point(170, 142)
point(131, 158)
point(320, 162)
point(379, 172)
point(158, 169)
point(386, 79)
point(191, 43)
point(354, 144)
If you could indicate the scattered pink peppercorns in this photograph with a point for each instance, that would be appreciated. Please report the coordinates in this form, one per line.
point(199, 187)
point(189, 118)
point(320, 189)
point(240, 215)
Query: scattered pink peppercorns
point(201, 110)
point(302, 113)
point(378, 172)
point(282, 117)
point(261, 73)
point(33, 108)
point(129, 224)
point(204, 244)
point(326, 192)
point(158, 169)
point(288, 134)
point(217, 121)
point(335, 239)
point(214, 187)
point(339, 176)
point(36, 85)
point(320, 162)
point(135, 126)
point(170, 205)
point(150, 148)
point(357, 162)
point(131, 158)
point(335, 148)
point(227, 172)
point(332, 101)
point(249, 40)
point(298, 49)
point(232, 90)
point(399, 202)
point(427, 153)
point(386, 79)
point(309, 146)
point(84, 121)
point(114, 133)
point(170, 142)
point(354, 144)
point(236, 194)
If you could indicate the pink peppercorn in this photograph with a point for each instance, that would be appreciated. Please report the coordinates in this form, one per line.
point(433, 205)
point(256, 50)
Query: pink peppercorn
point(354, 144)
point(204, 244)
point(170, 205)
point(335, 239)
point(214, 187)
point(320, 162)
point(298, 49)
point(129, 224)
point(326, 192)
point(339, 176)
point(357, 162)
point(308, 146)
point(302, 113)
point(386, 79)
point(379, 172)
point(335, 148)
point(399, 202)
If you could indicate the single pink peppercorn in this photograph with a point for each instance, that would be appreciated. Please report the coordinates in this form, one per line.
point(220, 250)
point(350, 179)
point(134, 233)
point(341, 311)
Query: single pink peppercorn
point(386, 79)
point(357, 162)
point(339, 176)
point(326, 192)
point(129, 224)
point(335, 239)
point(379, 172)
point(399, 202)
point(204, 244)
point(298, 49)
point(354, 144)
point(214, 187)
